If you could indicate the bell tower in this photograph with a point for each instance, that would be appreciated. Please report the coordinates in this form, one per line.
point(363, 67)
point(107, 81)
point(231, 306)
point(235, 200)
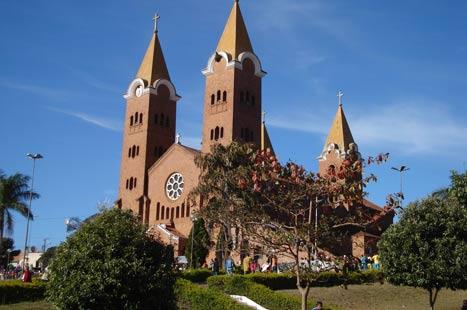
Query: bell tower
point(149, 128)
point(232, 101)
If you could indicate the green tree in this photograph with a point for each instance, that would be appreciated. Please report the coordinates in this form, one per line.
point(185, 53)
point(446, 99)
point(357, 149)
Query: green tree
point(111, 263)
point(6, 251)
point(199, 241)
point(47, 257)
point(14, 195)
point(427, 248)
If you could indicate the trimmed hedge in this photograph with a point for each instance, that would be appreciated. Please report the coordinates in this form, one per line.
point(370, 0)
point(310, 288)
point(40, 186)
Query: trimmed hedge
point(239, 285)
point(14, 291)
point(199, 298)
point(196, 275)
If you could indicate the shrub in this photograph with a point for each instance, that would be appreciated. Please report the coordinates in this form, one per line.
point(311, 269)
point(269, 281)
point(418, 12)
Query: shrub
point(110, 263)
point(196, 275)
point(274, 281)
point(14, 291)
point(199, 298)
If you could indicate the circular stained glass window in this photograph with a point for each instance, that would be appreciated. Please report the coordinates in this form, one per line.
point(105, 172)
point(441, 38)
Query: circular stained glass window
point(174, 186)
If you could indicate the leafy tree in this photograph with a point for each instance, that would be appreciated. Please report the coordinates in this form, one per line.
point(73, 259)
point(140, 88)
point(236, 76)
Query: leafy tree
point(111, 263)
point(427, 248)
point(198, 239)
point(48, 256)
point(252, 196)
point(14, 195)
point(6, 250)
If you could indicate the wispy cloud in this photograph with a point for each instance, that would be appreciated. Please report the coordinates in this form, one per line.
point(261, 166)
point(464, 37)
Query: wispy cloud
point(411, 127)
point(48, 92)
point(92, 81)
point(106, 123)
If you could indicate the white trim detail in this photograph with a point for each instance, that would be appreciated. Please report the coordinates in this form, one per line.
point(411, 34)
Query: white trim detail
point(333, 147)
point(164, 229)
point(131, 92)
point(234, 63)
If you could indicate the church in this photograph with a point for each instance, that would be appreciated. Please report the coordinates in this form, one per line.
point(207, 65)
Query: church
point(158, 171)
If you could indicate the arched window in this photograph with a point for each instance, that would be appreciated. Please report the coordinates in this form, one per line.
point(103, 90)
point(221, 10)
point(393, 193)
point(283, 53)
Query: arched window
point(218, 95)
point(177, 212)
point(212, 134)
point(131, 183)
point(158, 210)
point(156, 119)
point(222, 132)
point(183, 209)
point(224, 96)
point(216, 133)
point(162, 120)
point(162, 212)
point(129, 152)
point(141, 118)
point(167, 122)
point(136, 118)
point(133, 151)
point(131, 120)
point(213, 99)
point(134, 185)
point(187, 210)
point(242, 97)
point(127, 183)
point(167, 213)
point(137, 150)
point(172, 213)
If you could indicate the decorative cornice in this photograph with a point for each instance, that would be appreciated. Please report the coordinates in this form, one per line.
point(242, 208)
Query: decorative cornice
point(152, 89)
point(232, 63)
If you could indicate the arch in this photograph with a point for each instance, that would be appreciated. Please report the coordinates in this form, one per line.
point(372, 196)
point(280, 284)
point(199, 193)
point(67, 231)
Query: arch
point(222, 132)
point(131, 91)
point(131, 120)
point(158, 210)
point(218, 95)
point(169, 85)
point(213, 99)
point(140, 118)
point(224, 96)
point(249, 55)
point(177, 212)
point(216, 133)
point(210, 66)
point(182, 212)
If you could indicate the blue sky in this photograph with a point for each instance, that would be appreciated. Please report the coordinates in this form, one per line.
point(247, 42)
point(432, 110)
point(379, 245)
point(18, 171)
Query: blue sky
point(64, 66)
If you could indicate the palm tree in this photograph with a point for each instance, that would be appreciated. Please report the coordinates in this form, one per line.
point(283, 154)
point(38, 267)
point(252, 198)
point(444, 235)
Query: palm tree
point(14, 196)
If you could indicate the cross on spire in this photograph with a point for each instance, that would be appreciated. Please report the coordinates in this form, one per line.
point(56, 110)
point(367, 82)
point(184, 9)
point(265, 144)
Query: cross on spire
point(156, 21)
point(340, 94)
point(178, 138)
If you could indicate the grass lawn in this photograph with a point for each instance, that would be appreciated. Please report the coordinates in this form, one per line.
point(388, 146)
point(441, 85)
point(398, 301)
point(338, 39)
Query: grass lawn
point(384, 297)
point(38, 305)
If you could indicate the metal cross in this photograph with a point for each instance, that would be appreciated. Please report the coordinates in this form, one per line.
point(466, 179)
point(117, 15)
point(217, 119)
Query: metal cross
point(340, 94)
point(156, 21)
point(178, 138)
point(263, 117)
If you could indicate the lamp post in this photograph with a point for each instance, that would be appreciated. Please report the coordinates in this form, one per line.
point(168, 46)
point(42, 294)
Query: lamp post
point(193, 219)
point(34, 157)
point(401, 171)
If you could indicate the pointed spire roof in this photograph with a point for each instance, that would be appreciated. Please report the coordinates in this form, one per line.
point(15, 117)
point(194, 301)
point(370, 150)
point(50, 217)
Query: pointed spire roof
point(153, 66)
point(340, 133)
point(235, 39)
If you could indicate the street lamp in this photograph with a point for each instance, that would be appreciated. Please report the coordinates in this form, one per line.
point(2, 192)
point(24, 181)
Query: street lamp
point(34, 157)
point(401, 171)
point(193, 219)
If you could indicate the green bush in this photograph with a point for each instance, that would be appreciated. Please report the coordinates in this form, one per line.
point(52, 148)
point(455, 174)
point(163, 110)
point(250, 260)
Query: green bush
point(240, 285)
point(200, 298)
point(14, 291)
point(111, 263)
point(196, 275)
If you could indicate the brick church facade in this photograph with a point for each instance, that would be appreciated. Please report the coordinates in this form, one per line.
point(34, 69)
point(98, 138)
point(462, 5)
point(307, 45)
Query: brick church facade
point(158, 172)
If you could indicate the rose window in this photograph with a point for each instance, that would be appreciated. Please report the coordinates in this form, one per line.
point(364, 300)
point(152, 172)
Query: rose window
point(174, 186)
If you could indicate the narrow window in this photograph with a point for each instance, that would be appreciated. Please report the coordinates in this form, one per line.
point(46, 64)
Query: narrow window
point(162, 212)
point(162, 120)
point(156, 119)
point(141, 118)
point(212, 134)
point(131, 120)
point(224, 96)
point(136, 118)
point(167, 122)
point(137, 150)
point(158, 210)
point(242, 97)
point(134, 185)
point(183, 209)
point(218, 95)
point(177, 212)
point(129, 152)
point(127, 183)
point(131, 183)
point(187, 210)
point(222, 132)
point(167, 213)
point(216, 134)
point(213, 98)
point(172, 213)
point(133, 151)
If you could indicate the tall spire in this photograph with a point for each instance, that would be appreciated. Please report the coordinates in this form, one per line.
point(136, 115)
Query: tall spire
point(340, 133)
point(153, 66)
point(235, 39)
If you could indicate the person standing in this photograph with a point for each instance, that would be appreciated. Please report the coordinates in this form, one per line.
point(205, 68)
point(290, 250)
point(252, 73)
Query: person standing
point(246, 264)
point(26, 275)
point(215, 266)
point(229, 265)
point(376, 265)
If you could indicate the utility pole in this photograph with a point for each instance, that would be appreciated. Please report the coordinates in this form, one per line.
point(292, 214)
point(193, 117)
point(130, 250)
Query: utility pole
point(401, 171)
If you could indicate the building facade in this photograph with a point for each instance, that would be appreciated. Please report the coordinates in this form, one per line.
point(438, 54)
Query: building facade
point(157, 171)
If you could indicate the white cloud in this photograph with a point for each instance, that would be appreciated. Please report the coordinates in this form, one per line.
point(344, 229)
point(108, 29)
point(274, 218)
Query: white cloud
point(110, 124)
point(411, 127)
point(51, 93)
point(93, 81)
